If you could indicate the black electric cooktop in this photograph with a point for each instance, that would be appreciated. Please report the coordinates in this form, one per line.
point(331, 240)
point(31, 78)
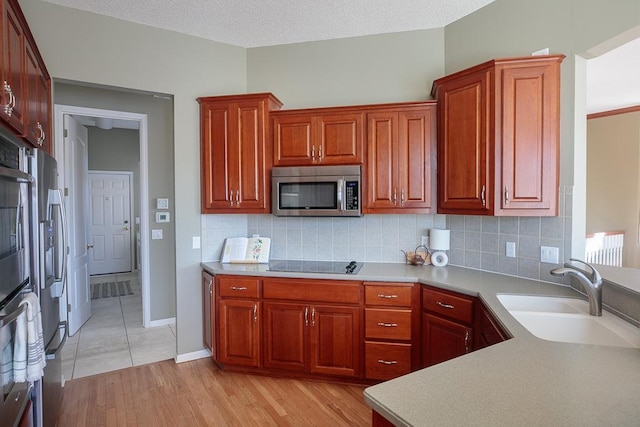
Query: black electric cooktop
point(331, 267)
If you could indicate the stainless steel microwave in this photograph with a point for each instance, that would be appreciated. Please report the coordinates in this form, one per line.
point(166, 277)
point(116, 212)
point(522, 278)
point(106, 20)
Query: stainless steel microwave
point(316, 190)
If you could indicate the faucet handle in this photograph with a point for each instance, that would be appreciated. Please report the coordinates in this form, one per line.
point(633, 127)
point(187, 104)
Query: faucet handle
point(595, 275)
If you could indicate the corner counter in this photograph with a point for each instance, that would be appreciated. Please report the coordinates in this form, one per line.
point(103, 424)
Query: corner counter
point(521, 381)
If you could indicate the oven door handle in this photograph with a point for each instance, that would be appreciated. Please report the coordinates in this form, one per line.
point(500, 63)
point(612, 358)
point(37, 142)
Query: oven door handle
point(16, 174)
point(4, 321)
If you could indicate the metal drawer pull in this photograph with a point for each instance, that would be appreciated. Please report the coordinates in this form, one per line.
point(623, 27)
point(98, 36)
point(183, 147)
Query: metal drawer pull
point(466, 341)
point(388, 325)
point(443, 305)
point(387, 296)
point(238, 288)
point(388, 362)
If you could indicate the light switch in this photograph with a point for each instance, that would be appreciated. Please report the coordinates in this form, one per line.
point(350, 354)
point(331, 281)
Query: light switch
point(156, 234)
point(195, 243)
point(162, 203)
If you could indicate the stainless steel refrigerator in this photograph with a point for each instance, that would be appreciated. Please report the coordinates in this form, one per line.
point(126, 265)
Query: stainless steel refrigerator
point(49, 273)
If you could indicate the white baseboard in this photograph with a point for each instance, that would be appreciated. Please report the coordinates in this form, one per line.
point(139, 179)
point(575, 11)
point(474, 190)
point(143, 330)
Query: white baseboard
point(162, 322)
point(194, 355)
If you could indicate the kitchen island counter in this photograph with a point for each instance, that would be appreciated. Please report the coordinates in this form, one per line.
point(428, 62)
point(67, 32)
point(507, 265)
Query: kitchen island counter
point(521, 381)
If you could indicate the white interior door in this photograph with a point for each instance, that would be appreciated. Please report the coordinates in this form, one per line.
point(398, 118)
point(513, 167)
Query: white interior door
point(110, 227)
point(76, 167)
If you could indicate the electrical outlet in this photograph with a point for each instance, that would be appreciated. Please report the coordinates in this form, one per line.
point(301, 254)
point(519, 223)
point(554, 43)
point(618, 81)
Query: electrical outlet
point(195, 242)
point(549, 254)
point(156, 234)
point(511, 249)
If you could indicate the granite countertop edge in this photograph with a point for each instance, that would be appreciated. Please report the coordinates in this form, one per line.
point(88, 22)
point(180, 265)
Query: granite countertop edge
point(520, 381)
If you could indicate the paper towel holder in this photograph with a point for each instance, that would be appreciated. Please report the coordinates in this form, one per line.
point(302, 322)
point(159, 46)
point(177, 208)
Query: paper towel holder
point(439, 242)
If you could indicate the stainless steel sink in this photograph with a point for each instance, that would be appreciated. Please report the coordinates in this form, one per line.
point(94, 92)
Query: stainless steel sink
point(568, 320)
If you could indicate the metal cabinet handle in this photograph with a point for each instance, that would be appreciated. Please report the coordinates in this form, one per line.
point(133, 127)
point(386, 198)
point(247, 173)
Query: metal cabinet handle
point(8, 108)
point(443, 305)
point(506, 195)
point(238, 288)
point(484, 202)
point(319, 153)
point(306, 316)
point(255, 312)
point(402, 198)
point(42, 136)
point(466, 341)
point(388, 362)
point(313, 317)
point(394, 197)
point(387, 296)
point(231, 197)
point(388, 325)
point(313, 153)
point(237, 198)
point(210, 286)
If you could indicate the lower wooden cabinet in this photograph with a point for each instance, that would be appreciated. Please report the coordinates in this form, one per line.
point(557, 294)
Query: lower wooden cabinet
point(339, 329)
point(239, 330)
point(208, 304)
point(443, 339)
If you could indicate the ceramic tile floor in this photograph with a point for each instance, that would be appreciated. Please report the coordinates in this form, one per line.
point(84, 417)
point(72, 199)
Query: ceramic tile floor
point(113, 338)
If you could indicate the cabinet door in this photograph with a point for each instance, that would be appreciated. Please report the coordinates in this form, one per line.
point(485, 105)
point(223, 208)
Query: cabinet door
point(286, 336)
point(415, 152)
point(382, 160)
point(339, 138)
point(13, 73)
point(463, 145)
point(251, 185)
point(443, 339)
point(32, 131)
point(239, 341)
point(530, 105)
point(207, 315)
point(218, 157)
point(335, 341)
point(293, 143)
point(486, 329)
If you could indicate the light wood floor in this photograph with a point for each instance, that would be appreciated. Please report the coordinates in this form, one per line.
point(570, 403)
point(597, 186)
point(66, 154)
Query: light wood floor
point(199, 394)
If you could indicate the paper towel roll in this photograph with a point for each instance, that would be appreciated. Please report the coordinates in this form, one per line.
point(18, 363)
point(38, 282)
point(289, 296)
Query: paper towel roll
point(439, 239)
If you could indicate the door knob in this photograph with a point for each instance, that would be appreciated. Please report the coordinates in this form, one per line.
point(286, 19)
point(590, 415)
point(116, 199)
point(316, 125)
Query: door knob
point(89, 246)
point(126, 228)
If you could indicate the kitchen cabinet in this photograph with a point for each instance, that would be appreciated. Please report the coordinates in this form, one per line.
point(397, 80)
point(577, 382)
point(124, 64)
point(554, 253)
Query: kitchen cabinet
point(391, 326)
point(236, 153)
point(447, 321)
point(486, 329)
point(239, 328)
point(498, 138)
point(208, 317)
point(401, 159)
point(26, 84)
point(331, 136)
point(312, 326)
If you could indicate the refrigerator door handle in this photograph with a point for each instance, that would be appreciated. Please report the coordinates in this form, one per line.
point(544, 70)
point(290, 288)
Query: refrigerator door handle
point(63, 222)
point(51, 353)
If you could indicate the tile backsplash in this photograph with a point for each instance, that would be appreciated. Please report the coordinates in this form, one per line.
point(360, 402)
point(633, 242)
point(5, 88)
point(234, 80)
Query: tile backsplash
point(476, 242)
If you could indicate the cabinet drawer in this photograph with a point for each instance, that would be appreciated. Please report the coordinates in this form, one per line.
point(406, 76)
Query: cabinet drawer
point(239, 287)
point(388, 324)
point(384, 361)
point(454, 306)
point(387, 295)
point(337, 291)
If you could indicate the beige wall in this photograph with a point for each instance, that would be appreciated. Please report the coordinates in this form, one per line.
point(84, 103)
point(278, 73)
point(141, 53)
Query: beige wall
point(85, 47)
point(613, 179)
point(360, 70)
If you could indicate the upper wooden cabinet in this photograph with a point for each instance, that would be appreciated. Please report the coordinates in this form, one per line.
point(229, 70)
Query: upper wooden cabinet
point(498, 138)
point(236, 153)
point(26, 84)
point(328, 136)
point(401, 159)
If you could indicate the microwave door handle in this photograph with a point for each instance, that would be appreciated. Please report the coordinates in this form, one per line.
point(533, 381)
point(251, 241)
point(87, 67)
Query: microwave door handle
point(339, 195)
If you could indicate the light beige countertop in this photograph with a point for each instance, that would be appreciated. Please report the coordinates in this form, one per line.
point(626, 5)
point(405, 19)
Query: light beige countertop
point(521, 381)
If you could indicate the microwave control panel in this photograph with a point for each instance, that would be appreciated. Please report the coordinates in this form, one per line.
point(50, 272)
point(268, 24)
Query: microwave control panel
point(351, 199)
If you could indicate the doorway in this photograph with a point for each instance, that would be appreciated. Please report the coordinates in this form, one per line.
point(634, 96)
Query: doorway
point(79, 289)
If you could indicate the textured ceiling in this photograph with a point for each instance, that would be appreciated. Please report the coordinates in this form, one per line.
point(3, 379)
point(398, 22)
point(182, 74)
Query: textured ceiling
point(254, 23)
